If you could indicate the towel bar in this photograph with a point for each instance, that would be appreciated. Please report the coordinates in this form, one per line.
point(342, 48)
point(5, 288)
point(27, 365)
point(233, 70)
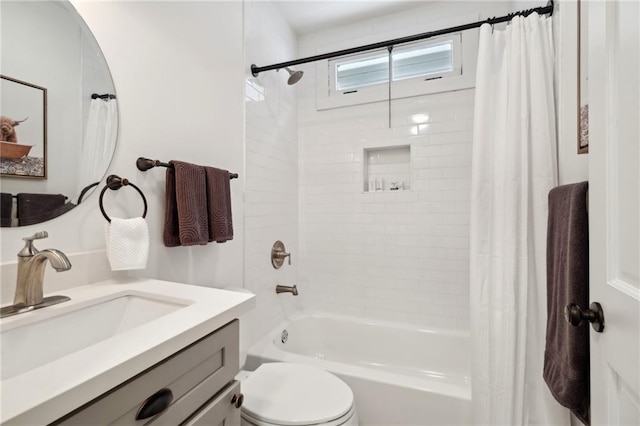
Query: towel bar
point(144, 164)
point(15, 196)
point(115, 182)
point(105, 97)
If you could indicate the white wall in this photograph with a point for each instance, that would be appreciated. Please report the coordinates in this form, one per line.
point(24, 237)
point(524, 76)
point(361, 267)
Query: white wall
point(395, 255)
point(271, 198)
point(572, 167)
point(178, 71)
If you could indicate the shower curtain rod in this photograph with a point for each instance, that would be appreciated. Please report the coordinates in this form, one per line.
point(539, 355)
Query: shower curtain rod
point(543, 10)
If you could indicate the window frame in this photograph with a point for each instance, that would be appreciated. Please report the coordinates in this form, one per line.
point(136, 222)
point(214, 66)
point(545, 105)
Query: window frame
point(461, 77)
point(335, 63)
point(456, 59)
point(456, 63)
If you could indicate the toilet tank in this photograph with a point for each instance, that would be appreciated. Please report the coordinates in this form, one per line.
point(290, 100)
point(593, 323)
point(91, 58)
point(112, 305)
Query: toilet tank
point(244, 333)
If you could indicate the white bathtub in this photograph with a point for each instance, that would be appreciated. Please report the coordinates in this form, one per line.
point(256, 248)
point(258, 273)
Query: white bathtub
point(399, 375)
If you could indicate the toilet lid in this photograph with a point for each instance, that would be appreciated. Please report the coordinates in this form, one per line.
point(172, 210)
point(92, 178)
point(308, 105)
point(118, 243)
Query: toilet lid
point(295, 394)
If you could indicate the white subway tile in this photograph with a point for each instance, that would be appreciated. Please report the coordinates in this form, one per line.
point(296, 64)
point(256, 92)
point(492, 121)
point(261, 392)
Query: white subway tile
point(400, 256)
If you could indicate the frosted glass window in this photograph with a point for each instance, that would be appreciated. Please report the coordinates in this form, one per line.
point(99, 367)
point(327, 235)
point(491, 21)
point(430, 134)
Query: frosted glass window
point(422, 61)
point(418, 60)
point(362, 72)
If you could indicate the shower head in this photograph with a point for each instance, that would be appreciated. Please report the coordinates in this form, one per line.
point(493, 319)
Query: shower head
point(294, 76)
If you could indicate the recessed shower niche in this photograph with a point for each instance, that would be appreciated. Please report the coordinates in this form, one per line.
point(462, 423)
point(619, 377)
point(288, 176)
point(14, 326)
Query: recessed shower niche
point(387, 169)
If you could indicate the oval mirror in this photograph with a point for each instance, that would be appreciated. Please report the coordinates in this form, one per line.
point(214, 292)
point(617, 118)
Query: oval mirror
point(58, 111)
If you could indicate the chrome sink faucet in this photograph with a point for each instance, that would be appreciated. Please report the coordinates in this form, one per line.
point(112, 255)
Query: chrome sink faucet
point(31, 266)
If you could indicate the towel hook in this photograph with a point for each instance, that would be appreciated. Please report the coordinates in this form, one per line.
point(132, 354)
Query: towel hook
point(115, 182)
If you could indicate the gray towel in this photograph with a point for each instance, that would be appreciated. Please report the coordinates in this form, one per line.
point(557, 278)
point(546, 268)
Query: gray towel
point(566, 357)
point(186, 217)
point(36, 208)
point(6, 207)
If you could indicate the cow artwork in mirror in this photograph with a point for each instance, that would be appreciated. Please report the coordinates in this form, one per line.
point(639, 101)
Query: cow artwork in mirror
point(58, 112)
point(26, 156)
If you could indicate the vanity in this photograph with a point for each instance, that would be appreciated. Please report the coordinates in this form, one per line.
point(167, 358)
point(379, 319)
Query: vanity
point(133, 351)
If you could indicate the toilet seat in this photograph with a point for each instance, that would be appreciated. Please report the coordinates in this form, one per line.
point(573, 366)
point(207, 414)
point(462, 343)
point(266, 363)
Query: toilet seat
point(288, 394)
point(344, 420)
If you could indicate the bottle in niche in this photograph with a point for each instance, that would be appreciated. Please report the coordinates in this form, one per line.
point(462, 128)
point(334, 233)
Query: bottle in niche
point(372, 185)
point(379, 184)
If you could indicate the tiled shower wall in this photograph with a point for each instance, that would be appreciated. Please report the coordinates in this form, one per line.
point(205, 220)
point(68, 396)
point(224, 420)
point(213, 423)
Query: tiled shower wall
point(401, 255)
point(271, 191)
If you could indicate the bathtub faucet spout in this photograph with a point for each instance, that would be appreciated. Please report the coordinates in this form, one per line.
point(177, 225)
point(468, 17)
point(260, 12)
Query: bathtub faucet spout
point(287, 289)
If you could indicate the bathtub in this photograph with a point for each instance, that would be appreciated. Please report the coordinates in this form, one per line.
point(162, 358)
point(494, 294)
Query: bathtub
point(400, 375)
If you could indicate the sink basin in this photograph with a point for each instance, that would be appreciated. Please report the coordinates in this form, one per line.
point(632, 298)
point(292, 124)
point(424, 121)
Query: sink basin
point(41, 340)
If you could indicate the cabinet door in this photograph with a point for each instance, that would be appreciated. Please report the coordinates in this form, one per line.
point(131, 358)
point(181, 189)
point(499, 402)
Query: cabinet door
point(221, 411)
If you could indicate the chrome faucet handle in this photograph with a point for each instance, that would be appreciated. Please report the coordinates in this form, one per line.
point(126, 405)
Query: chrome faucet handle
point(278, 254)
point(29, 250)
point(282, 255)
point(37, 236)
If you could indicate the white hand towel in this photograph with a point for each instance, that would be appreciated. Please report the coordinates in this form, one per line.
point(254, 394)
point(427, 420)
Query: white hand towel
point(127, 243)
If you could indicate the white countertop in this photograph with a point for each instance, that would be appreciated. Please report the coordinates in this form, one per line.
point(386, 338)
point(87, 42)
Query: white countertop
point(46, 393)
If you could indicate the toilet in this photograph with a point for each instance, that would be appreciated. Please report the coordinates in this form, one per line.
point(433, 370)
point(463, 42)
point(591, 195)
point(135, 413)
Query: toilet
point(290, 394)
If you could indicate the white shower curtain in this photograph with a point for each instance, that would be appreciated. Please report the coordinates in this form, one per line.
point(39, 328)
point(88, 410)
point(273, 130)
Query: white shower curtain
point(99, 141)
point(513, 168)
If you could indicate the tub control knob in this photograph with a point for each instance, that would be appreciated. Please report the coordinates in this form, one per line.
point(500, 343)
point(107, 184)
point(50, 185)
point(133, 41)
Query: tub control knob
point(237, 400)
point(278, 254)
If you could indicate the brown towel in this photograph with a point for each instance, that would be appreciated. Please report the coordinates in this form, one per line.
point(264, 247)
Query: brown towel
point(6, 207)
point(36, 208)
point(186, 220)
point(566, 358)
point(219, 205)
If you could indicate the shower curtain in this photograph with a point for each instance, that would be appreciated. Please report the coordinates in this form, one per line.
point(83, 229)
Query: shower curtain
point(99, 141)
point(514, 166)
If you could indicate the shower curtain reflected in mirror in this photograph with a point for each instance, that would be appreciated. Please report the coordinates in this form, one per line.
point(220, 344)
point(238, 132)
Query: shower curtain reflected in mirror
point(513, 168)
point(99, 141)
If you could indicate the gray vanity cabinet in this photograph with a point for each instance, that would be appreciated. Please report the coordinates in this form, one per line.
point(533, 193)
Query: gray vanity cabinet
point(220, 411)
point(195, 386)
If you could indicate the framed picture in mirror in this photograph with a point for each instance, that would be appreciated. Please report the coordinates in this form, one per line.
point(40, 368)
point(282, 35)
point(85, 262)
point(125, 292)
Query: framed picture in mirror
point(23, 129)
point(583, 80)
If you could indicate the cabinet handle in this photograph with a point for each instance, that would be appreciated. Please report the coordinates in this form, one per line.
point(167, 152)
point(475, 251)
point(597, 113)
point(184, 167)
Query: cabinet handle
point(237, 400)
point(155, 404)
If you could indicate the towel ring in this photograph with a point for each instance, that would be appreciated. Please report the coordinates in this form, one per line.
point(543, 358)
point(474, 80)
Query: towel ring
point(116, 182)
